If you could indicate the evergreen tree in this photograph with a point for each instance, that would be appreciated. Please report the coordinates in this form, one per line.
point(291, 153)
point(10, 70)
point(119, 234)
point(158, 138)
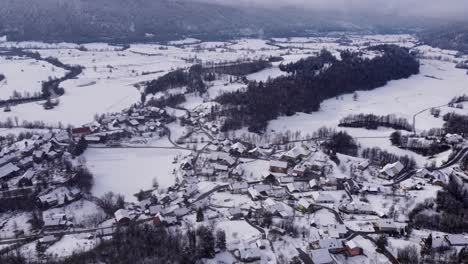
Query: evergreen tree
point(200, 215)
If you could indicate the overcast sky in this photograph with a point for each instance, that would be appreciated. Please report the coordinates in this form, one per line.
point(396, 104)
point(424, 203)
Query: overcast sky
point(420, 8)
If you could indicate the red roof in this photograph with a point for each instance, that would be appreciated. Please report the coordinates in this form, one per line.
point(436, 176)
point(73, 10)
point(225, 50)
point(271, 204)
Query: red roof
point(81, 130)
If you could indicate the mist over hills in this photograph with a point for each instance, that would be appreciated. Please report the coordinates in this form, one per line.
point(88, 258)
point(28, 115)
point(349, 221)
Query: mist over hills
point(136, 20)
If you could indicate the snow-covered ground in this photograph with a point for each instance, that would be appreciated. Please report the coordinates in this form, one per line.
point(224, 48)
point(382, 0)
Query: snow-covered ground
point(404, 98)
point(127, 171)
point(25, 75)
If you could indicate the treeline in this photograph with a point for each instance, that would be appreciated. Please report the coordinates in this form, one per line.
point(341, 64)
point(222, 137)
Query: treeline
point(142, 244)
point(192, 79)
point(314, 80)
point(52, 85)
point(456, 124)
point(170, 100)
point(308, 65)
point(240, 69)
point(459, 99)
point(371, 121)
point(380, 157)
point(419, 145)
point(341, 142)
point(451, 209)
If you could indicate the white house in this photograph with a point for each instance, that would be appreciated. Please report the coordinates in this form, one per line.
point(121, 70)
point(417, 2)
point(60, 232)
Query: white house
point(389, 171)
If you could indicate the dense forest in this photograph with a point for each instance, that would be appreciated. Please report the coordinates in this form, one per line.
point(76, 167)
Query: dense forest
point(240, 69)
point(371, 121)
point(452, 37)
point(144, 244)
point(313, 80)
point(456, 124)
point(191, 78)
point(171, 100)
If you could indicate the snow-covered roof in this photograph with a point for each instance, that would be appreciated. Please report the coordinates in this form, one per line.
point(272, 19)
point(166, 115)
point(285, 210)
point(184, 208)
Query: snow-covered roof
point(121, 214)
point(8, 169)
point(321, 256)
point(278, 164)
point(458, 239)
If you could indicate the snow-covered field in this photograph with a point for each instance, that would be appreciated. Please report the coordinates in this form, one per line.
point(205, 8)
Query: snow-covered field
point(25, 75)
point(127, 171)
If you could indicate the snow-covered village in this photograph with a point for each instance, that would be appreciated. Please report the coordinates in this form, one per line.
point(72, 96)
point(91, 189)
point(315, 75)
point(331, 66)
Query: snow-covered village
point(107, 147)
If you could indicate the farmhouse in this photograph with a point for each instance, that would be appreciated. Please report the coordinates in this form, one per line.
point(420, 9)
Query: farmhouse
point(122, 217)
point(389, 171)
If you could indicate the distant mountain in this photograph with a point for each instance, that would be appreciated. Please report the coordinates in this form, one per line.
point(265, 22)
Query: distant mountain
point(134, 20)
point(453, 37)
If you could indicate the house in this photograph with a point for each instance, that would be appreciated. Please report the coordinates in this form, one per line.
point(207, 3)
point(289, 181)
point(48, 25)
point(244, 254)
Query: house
point(207, 172)
point(180, 212)
point(249, 254)
point(25, 163)
point(80, 131)
point(352, 186)
point(313, 185)
point(321, 256)
point(295, 154)
point(438, 241)
point(262, 243)
point(277, 166)
point(331, 244)
point(234, 213)
point(254, 194)
point(26, 178)
point(299, 170)
point(55, 221)
point(48, 240)
point(47, 200)
point(457, 239)
point(239, 187)
point(220, 167)
point(356, 207)
point(38, 156)
point(320, 197)
point(62, 137)
point(155, 209)
point(93, 139)
point(352, 248)
point(391, 170)
point(388, 226)
point(423, 173)
point(122, 217)
point(336, 230)
point(296, 187)
point(453, 138)
point(363, 165)
point(7, 171)
point(303, 204)
point(286, 179)
point(8, 159)
point(238, 147)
